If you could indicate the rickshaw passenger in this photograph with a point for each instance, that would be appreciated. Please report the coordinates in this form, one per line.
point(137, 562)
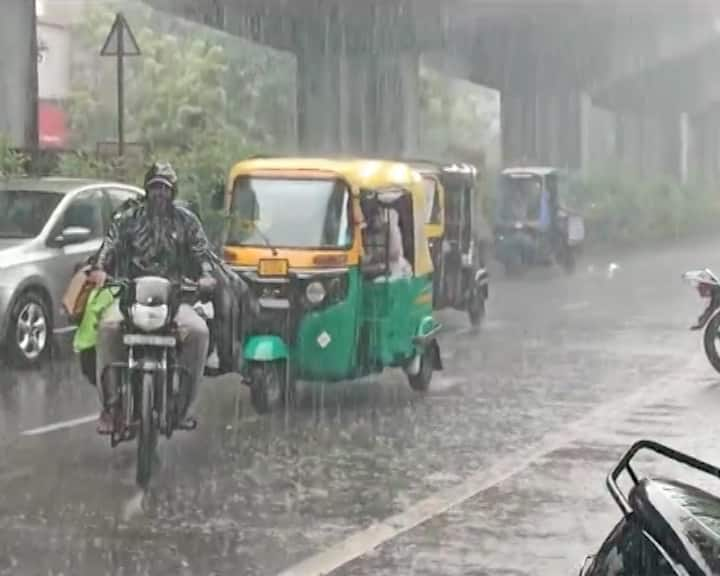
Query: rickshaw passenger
point(399, 266)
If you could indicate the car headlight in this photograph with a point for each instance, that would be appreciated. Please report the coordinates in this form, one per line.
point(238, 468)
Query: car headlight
point(149, 318)
point(315, 292)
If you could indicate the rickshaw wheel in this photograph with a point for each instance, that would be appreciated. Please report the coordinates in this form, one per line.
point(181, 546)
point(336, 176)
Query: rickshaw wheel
point(270, 386)
point(420, 382)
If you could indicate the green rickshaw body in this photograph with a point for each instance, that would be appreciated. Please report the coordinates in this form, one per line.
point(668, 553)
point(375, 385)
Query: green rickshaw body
point(328, 340)
point(332, 312)
point(325, 349)
point(394, 310)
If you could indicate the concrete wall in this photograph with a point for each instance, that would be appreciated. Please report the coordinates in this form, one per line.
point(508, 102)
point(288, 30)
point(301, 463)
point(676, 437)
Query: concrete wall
point(18, 77)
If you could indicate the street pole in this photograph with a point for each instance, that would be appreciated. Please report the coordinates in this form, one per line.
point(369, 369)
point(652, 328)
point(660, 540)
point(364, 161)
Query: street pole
point(32, 126)
point(120, 90)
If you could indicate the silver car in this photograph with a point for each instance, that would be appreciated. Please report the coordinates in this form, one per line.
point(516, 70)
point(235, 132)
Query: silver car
point(48, 227)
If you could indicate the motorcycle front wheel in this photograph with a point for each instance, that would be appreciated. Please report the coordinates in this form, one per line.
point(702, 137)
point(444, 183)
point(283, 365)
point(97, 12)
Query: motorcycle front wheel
point(147, 432)
point(712, 334)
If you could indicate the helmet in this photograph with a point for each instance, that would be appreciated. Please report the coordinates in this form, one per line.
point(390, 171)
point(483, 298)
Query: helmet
point(162, 172)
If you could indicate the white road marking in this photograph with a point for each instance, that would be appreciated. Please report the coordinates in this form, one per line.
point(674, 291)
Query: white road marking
point(366, 540)
point(60, 425)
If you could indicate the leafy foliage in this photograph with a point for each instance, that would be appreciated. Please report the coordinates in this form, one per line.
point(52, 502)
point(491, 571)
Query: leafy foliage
point(12, 163)
point(195, 97)
point(623, 209)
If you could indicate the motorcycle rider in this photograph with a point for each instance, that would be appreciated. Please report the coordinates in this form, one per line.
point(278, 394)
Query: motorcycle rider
point(155, 238)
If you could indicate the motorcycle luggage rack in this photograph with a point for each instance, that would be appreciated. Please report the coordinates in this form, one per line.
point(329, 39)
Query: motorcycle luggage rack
point(625, 465)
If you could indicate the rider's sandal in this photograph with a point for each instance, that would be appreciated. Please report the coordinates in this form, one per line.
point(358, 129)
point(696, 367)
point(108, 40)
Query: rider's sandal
point(105, 424)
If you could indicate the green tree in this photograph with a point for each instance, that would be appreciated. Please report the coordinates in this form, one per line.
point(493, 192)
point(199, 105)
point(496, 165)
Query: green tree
point(189, 79)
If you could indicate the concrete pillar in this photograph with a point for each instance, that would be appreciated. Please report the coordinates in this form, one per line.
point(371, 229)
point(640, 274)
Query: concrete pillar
point(318, 103)
point(394, 104)
point(356, 93)
point(670, 144)
point(684, 148)
point(649, 145)
point(705, 130)
point(544, 127)
point(18, 73)
point(517, 132)
point(360, 103)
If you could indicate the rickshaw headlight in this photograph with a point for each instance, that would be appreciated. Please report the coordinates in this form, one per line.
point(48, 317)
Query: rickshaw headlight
point(315, 292)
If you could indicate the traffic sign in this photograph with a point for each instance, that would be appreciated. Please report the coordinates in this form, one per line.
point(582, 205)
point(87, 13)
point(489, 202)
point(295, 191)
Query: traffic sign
point(115, 45)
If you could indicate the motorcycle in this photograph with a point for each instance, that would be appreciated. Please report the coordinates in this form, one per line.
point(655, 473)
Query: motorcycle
point(708, 286)
point(668, 527)
point(152, 396)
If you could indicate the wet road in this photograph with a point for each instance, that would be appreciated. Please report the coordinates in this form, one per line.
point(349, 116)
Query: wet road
point(518, 432)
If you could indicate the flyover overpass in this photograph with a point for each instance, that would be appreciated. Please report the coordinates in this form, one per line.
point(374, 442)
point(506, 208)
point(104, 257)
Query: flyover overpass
point(582, 81)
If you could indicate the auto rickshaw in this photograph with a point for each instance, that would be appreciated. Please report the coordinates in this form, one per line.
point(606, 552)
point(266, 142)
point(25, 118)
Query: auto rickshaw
point(336, 253)
point(532, 227)
point(461, 279)
point(668, 527)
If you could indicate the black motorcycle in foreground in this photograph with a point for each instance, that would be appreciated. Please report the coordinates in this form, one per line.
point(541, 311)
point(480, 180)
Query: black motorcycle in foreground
point(153, 395)
point(708, 286)
point(668, 527)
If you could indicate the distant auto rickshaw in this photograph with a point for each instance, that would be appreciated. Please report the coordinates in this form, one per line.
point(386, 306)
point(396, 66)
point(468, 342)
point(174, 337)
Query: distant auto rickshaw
point(668, 527)
point(532, 226)
point(461, 279)
point(337, 255)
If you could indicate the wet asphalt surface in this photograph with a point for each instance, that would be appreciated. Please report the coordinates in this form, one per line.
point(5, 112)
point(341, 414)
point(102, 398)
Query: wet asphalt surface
point(564, 375)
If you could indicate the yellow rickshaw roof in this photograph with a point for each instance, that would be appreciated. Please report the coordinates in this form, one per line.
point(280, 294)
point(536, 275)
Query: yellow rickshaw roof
point(358, 172)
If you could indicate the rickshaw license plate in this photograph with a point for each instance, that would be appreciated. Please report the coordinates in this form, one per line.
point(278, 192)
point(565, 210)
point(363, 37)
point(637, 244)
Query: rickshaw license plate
point(274, 267)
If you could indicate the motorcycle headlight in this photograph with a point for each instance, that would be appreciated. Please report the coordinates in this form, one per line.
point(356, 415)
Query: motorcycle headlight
point(149, 318)
point(315, 292)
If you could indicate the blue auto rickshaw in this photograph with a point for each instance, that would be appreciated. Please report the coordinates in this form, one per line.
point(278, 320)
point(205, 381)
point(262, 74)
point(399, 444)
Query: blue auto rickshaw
point(532, 226)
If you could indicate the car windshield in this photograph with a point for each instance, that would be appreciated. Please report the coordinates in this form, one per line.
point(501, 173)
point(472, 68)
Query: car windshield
point(290, 213)
point(23, 213)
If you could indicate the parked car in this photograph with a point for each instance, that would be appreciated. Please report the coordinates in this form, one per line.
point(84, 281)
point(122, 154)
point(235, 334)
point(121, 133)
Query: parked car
point(48, 227)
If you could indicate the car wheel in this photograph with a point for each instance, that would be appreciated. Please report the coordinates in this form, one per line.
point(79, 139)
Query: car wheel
point(29, 330)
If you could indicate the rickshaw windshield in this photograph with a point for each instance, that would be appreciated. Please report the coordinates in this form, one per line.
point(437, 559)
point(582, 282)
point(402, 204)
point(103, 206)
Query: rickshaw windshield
point(521, 198)
point(290, 213)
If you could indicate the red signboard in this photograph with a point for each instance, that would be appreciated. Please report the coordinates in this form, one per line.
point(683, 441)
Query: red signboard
point(52, 126)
